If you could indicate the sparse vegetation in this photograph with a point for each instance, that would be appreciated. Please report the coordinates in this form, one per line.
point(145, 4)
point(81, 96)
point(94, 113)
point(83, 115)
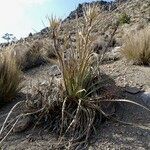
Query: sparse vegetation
point(124, 18)
point(137, 47)
point(10, 79)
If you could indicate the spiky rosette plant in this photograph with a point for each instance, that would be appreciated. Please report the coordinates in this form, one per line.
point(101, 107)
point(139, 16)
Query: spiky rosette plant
point(81, 80)
point(76, 64)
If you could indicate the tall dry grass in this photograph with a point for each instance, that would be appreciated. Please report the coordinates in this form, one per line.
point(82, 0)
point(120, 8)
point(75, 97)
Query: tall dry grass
point(10, 77)
point(137, 47)
point(76, 63)
point(29, 55)
point(34, 56)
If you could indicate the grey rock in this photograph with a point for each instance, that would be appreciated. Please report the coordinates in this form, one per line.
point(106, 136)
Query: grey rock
point(120, 1)
point(30, 34)
point(105, 6)
point(44, 31)
point(114, 54)
point(44, 83)
point(132, 90)
point(146, 97)
point(55, 70)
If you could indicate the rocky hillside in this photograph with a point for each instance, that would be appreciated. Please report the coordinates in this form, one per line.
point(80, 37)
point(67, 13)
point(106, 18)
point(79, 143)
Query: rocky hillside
point(137, 10)
point(106, 6)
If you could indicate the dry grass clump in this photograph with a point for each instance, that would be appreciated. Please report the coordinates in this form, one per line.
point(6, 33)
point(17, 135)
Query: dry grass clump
point(34, 56)
point(137, 47)
point(29, 55)
point(10, 77)
point(76, 108)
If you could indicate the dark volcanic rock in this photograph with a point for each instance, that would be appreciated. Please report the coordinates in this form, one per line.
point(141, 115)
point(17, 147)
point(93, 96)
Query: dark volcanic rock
point(45, 30)
point(30, 34)
point(105, 6)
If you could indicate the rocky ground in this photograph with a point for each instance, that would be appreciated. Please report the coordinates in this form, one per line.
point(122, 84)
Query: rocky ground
point(132, 82)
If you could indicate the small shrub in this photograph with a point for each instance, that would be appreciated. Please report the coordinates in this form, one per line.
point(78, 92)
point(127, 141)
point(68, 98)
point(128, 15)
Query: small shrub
point(124, 18)
point(10, 78)
point(137, 47)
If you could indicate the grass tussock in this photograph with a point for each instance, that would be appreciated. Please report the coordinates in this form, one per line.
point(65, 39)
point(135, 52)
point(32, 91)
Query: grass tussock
point(137, 47)
point(29, 55)
point(10, 77)
point(37, 53)
point(71, 106)
point(34, 56)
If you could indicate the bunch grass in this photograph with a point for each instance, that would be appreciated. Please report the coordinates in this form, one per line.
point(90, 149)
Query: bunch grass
point(10, 77)
point(81, 78)
point(137, 47)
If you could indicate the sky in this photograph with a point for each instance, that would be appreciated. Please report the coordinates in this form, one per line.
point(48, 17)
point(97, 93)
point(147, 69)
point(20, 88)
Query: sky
point(20, 17)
